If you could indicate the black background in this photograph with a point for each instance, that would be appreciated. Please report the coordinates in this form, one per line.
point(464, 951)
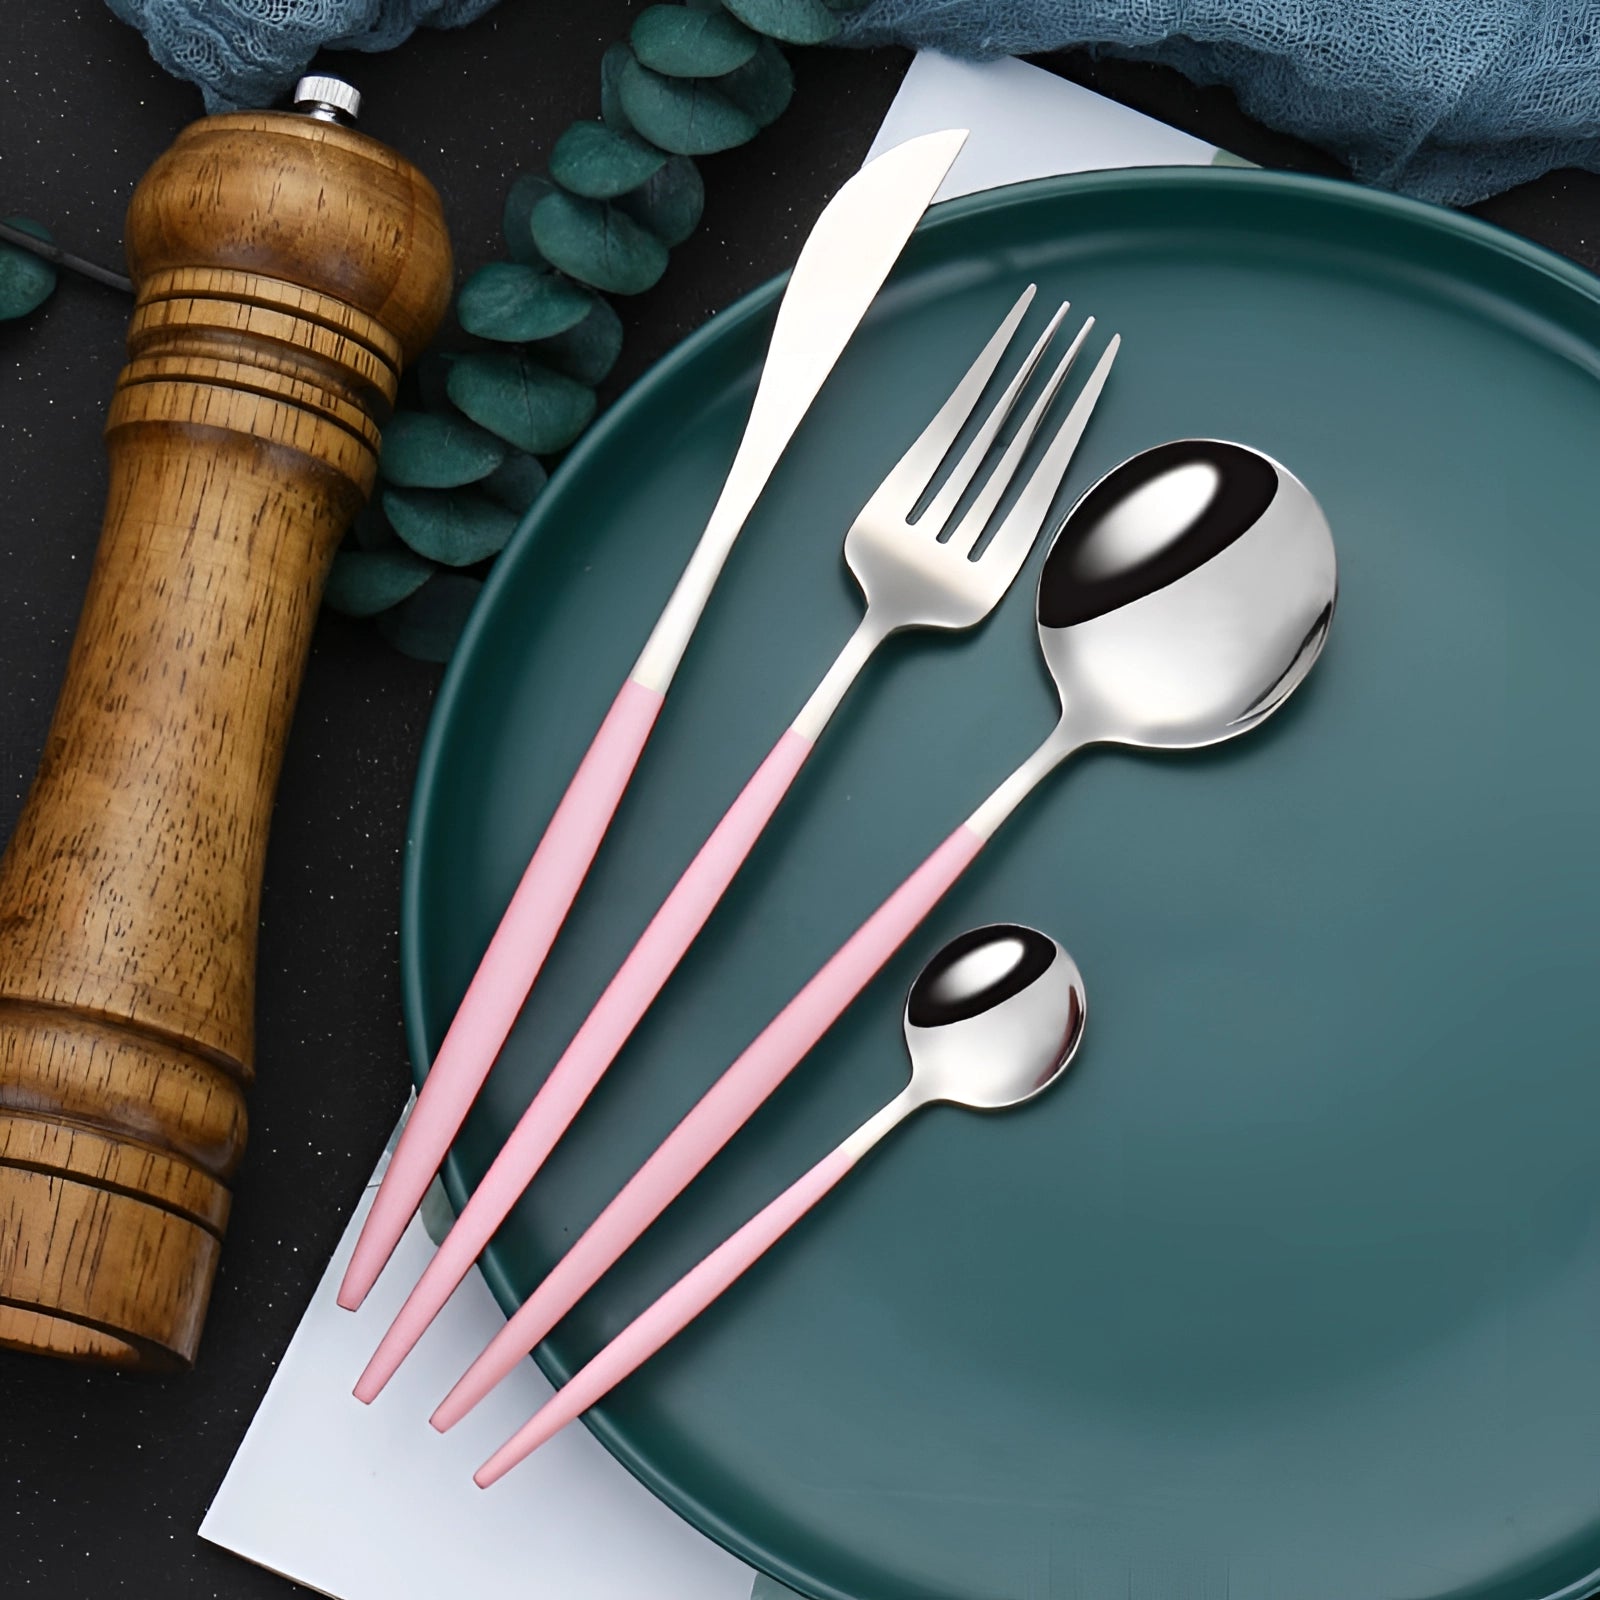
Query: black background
point(104, 1478)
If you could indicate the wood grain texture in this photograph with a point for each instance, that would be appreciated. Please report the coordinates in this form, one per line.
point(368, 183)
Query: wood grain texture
point(286, 267)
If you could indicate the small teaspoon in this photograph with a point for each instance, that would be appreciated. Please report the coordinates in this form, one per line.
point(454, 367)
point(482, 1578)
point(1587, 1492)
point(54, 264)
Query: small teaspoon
point(992, 1021)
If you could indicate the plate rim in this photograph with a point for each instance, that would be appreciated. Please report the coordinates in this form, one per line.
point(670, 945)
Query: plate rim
point(1269, 183)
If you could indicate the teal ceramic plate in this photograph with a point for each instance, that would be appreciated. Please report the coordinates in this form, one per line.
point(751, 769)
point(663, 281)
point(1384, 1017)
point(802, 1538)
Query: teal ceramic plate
point(1292, 1290)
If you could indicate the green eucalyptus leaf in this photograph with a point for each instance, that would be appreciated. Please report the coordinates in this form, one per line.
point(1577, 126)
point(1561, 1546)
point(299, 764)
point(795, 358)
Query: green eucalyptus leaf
point(589, 351)
point(514, 303)
point(763, 86)
point(516, 482)
point(427, 626)
point(525, 193)
point(792, 21)
point(670, 204)
point(435, 450)
point(455, 527)
point(599, 163)
point(690, 44)
point(25, 279)
point(521, 400)
point(617, 56)
point(687, 116)
point(362, 583)
point(597, 244)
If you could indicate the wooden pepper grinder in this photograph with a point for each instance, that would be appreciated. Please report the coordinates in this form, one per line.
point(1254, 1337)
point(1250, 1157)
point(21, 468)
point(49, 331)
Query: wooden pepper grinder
point(286, 267)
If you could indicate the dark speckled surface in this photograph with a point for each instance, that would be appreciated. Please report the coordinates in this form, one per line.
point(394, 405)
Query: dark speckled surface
point(103, 1480)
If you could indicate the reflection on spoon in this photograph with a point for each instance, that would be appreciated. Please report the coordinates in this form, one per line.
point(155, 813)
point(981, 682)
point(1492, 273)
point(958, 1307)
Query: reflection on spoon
point(993, 1020)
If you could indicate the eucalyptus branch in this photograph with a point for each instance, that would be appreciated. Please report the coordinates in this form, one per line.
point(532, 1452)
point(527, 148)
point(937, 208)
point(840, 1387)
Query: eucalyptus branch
point(460, 471)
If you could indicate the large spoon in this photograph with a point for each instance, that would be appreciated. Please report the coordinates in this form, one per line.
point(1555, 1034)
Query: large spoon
point(1186, 596)
point(993, 1020)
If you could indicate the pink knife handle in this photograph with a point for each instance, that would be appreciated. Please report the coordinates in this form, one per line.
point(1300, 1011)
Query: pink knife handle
point(718, 1115)
point(669, 1315)
point(594, 1047)
point(504, 976)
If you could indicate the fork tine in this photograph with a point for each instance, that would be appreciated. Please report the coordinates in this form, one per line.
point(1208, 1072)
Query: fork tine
point(976, 520)
point(943, 505)
point(1017, 534)
point(911, 475)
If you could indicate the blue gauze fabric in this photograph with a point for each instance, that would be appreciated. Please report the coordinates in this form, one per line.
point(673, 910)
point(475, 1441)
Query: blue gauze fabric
point(1450, 100)
point(249, 52)
point(1447, 99)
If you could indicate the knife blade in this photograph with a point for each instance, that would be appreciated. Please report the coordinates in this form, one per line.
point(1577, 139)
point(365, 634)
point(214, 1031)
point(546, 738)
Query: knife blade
point(850, 251)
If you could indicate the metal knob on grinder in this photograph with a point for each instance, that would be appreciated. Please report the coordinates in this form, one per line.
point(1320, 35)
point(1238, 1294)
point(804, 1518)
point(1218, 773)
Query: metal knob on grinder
point(328, 99)
point(286, 267)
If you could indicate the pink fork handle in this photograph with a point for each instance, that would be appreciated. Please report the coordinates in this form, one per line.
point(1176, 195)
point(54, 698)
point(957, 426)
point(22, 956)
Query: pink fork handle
point(504, 976)
point(718, 1115)
point(584, 1062)
point(669, 1315)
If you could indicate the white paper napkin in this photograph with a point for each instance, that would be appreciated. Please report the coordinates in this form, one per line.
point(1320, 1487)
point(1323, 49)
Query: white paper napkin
point(1027, 123)
point(369, 1503)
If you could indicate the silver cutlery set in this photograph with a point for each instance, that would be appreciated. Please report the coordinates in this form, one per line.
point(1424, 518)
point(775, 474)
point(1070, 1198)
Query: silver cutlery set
point(1181, 601)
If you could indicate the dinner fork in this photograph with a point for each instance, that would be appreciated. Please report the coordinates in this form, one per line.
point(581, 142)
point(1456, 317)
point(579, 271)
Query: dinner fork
point(915, 571)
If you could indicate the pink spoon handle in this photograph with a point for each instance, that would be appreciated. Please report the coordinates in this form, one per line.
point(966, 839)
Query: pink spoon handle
point(504, 976)
point(669, 1315)
point(718, 1115)
point(594, 1047)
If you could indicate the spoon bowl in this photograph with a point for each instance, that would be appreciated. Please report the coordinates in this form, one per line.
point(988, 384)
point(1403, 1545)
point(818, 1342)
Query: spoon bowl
point(1185, 597)
point(994, 1018)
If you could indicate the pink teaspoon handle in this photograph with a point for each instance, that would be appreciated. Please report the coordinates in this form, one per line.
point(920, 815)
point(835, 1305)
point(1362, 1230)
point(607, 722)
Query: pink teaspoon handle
point(718, 1115)
point(593, 1048)
point(504, 977)
point(670, 1314)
